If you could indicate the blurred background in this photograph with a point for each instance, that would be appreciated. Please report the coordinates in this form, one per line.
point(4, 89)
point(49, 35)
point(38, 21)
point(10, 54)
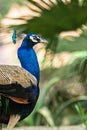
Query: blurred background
point(63, 61)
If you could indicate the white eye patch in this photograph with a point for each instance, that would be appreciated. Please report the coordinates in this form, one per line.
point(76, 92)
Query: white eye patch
point(34, 38)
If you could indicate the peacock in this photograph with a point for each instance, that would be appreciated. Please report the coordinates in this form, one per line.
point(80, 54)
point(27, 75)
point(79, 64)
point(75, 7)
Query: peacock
point(19, 86)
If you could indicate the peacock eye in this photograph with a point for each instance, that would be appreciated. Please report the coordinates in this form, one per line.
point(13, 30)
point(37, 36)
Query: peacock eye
point(35, 38)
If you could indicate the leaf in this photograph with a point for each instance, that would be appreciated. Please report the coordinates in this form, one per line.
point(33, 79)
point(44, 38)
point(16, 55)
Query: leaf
point(44, 91)
point(46, 113)
point(62, 107)
point(81, 112)
point(60, 16)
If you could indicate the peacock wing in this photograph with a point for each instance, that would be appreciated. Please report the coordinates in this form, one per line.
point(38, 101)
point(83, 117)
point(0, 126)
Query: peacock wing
point(15, 74)
point(16, 83)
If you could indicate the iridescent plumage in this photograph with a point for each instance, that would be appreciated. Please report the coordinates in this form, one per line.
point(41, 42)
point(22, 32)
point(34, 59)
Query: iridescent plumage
point(14, 37)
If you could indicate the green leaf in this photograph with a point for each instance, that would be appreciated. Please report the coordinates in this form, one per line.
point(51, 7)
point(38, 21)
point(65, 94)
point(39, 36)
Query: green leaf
point(82, 114)
point(45, 90)
point(60, 16)
point(46, 113)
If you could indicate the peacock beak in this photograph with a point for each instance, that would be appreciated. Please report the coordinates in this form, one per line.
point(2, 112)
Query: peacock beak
point(43, 40)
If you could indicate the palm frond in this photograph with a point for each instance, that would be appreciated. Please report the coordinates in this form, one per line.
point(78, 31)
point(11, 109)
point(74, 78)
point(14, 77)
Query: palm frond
point(55, 18)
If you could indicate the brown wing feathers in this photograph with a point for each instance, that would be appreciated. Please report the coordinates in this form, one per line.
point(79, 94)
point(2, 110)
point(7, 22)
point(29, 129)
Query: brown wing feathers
point(13, 81)
point(15, 74)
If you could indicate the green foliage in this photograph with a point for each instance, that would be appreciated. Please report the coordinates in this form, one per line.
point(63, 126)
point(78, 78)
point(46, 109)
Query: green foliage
point(82, 114)
point(60, 16)
point(78, 44)
point(67, 103)
point(46, 113)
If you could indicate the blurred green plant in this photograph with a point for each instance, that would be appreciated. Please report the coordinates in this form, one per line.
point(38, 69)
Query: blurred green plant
point(54, 18)
point(82, 114)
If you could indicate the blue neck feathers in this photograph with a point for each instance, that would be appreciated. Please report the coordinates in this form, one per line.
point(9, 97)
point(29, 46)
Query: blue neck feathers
point(28, 59)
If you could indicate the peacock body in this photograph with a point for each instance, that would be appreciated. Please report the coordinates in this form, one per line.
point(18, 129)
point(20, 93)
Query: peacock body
point(19, 86)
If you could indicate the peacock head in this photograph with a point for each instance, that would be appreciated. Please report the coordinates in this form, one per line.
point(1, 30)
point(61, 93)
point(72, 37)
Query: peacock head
point(30, 39)
point(33, 39)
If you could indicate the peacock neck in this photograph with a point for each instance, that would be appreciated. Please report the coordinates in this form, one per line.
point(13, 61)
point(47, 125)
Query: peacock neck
point(28, 60)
